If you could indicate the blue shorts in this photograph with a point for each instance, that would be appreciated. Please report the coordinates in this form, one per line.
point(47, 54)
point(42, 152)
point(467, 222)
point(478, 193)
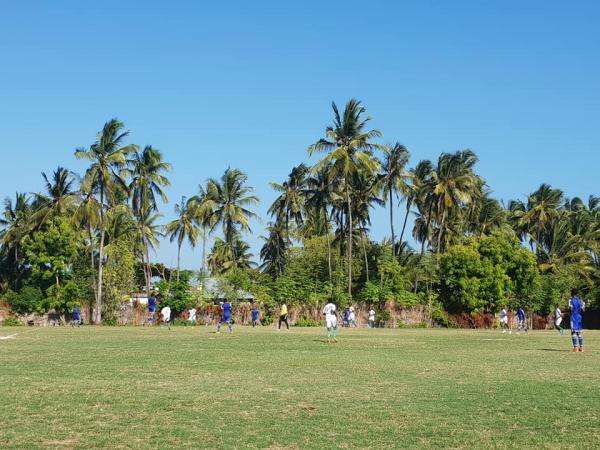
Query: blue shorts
point(576, 323)
point(225, 319)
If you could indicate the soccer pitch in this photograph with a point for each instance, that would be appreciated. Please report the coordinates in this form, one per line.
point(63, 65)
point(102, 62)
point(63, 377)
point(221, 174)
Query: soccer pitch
point(128, 387)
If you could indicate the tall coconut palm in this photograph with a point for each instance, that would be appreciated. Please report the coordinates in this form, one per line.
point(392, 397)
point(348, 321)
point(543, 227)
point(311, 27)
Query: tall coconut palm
point(203, 207)
point(232, 199)
point(59, 197)
point(454, 185)
point(349, 149)
point(274, 251)
point(182, 228)
point(319, 198)
point(289, 205)
point(15, 223)
point(227, 256)
point(108, 156)
point(393, 180)
point(146, 171)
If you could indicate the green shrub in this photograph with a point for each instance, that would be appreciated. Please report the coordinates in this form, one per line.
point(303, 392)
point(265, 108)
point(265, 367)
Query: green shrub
point(440, 317)
point(110, 322)
point(307, 322)
point(12, 321)
point(29, 299)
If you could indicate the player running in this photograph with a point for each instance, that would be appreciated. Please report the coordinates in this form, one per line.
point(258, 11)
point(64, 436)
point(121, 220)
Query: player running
point(371, 318)
point(330, 321)
point(522, 320)
point(558, 320)
point(283, 317)
point(225, 317)
point(255, 315)
point(504, 321)
point(165, 315)
point(151, 309)
point(76, 316)
point(577, 307)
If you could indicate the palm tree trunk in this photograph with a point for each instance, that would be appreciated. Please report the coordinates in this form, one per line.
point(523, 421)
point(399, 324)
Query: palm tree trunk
point(408, 205)
point(328, 245)
point(91, 235)
point(350, 226)
point(423, 245)
point(392, 222)
point(148, 271)
point(98, 315)
point(362, 240)
point(440, 232)
point(204, 239)
point(178, 259)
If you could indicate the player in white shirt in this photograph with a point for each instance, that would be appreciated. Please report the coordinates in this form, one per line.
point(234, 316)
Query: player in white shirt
point(504, 320)
point(351, 317)
point(558, 320)
point(165, 314)
point(330, 321)
point(192, 316)
point(371, 318)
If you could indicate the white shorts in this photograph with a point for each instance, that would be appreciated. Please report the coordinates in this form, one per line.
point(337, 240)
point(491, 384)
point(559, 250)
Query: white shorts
point(558, 321)
point(331, 321)
point(503, 319)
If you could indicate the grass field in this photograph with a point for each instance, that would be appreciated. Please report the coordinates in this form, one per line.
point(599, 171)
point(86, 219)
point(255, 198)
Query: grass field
point(151, 388)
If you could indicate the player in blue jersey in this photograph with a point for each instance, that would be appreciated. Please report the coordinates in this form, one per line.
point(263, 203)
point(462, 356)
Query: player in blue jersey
point(577, 307)
point(255, 315)
point(151, 309)
point(522, 320)
point(76, 316)
point(226, 316)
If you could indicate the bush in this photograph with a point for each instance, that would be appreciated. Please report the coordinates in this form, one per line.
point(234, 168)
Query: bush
point(28, 300)
point(12, 321)
point(307, 322)
point(110, 322)
point(440, 317)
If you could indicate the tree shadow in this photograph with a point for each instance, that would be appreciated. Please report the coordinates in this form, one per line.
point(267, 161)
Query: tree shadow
point(552, 350)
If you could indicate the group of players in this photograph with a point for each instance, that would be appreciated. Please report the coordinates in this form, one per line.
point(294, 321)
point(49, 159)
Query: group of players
point(576, 305)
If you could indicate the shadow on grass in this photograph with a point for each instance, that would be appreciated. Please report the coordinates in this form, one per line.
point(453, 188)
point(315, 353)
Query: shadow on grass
point(552, 350)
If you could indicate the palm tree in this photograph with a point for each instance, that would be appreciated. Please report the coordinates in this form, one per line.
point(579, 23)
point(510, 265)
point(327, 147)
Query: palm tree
point(290, 203)
point(203, 207)
point(454, 185)
point(227, 256)
point(59, 198)
point(319, 197)
point(274, 251)
point(182, 228)
point(146, 170)
point(349, 149)
point(16, 223)
point(108, 156)
point(231, 198)
point(392, 179)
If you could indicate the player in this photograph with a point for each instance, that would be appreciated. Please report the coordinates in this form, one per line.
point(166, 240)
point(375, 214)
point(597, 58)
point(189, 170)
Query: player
point(165, 315)
point(577, 307)
point(226, 316)
point(192, 316)
point(522, 320)
point(76, 316)
point(504, 321)
point(283, 313)
point(351, 317)
point(331, 321)
point(255, 315)
point(558, 320)
point(151, 309)
point(371, 318)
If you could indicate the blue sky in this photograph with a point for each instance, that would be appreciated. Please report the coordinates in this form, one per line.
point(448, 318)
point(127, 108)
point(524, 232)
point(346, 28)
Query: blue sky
point(249, 85)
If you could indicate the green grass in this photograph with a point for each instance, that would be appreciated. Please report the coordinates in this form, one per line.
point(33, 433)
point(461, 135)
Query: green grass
point(151, 388)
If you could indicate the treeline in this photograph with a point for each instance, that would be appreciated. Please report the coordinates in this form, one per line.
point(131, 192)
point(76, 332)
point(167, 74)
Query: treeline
point(90, 238)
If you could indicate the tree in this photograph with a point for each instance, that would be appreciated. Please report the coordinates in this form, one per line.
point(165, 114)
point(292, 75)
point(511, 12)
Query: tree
point(289, 205)
point(225, 256)
point(231, 198)
point(16, 223)
point(349, 149)
point(392, 180)
point(58, 200)
point(146, 170)
point(274, 251)
point(108, 157)
point(182, 228)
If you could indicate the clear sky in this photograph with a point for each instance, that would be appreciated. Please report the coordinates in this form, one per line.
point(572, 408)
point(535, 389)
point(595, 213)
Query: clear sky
point(249, 85)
